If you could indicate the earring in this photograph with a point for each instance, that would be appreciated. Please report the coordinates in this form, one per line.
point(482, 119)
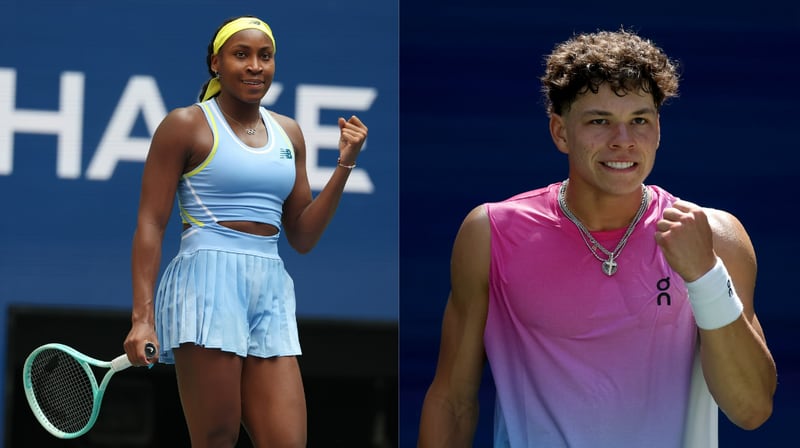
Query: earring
point(216, 74)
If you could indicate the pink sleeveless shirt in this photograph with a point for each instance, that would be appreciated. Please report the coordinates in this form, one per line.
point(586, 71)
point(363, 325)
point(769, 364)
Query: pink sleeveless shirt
point(581, 359)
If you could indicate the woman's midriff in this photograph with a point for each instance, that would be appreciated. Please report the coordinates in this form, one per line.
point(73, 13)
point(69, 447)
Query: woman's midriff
point(253, 228)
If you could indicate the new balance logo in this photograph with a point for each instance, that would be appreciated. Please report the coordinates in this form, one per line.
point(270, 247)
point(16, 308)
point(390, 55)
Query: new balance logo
point(285, 153)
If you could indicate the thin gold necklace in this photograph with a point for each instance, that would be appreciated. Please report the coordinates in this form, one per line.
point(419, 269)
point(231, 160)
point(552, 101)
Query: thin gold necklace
point(249, 131)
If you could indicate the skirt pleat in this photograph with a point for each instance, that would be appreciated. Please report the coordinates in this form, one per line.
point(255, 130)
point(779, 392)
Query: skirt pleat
point(242, 303)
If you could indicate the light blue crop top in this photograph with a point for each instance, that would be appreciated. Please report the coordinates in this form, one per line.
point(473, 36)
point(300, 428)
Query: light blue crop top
point(237, 182)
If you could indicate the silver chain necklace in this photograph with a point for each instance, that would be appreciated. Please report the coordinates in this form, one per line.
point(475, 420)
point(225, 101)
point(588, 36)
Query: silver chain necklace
point(609, 264)
point(250, 131)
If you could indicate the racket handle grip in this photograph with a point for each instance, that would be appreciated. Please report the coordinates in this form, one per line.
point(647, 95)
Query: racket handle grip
point(149, 350)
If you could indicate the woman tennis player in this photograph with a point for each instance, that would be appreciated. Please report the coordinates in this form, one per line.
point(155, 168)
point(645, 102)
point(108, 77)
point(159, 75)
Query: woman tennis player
point(224, 310)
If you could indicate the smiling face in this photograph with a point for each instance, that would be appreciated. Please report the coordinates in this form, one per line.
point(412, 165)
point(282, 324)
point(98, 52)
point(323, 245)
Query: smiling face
point(610, 141)
point(246, 65)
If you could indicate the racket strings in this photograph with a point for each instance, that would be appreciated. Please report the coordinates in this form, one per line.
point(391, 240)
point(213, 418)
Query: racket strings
point(63, 390)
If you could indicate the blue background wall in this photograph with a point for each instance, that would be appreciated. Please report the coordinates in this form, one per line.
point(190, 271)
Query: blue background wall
point(474, 129)
point(65, 235)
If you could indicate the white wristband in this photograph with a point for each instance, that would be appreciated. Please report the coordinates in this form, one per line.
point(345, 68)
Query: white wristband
point(713, 298)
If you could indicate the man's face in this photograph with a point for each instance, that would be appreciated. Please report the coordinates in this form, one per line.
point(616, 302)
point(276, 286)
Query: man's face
point(610, 140)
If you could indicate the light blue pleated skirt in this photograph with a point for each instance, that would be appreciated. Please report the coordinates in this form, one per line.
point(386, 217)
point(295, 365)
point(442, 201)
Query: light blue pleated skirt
point(227, 290)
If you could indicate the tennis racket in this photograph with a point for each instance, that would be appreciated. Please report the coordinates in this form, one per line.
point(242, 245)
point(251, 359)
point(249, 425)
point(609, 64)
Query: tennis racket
point(62, 388)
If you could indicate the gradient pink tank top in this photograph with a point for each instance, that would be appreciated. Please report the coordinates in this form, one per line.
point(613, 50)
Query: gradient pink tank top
point(580, 359)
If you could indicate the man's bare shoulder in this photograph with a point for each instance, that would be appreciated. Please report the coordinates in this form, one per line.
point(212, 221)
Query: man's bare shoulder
point(727, 228)
point(475, 224)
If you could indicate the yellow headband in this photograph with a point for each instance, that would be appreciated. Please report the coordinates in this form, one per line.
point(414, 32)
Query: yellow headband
point(228, 30)
point(242, 23)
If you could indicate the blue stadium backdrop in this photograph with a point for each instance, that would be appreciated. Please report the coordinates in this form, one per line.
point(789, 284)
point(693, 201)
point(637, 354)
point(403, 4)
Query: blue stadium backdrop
point(83, 85)
point(473, 129)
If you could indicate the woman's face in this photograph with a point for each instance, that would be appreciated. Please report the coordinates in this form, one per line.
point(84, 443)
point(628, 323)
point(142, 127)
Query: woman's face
point(246, 65)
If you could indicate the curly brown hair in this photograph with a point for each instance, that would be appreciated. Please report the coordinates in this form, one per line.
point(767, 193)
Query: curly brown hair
point(621, 59)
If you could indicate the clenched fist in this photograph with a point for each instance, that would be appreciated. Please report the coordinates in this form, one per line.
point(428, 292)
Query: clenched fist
point(685, 238)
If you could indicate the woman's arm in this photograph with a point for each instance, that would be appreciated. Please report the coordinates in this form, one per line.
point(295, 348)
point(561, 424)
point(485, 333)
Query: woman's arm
point(305, 218)
point(170, 151)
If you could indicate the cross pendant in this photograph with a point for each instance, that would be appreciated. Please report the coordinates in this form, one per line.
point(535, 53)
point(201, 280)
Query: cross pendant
point(609, 267)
